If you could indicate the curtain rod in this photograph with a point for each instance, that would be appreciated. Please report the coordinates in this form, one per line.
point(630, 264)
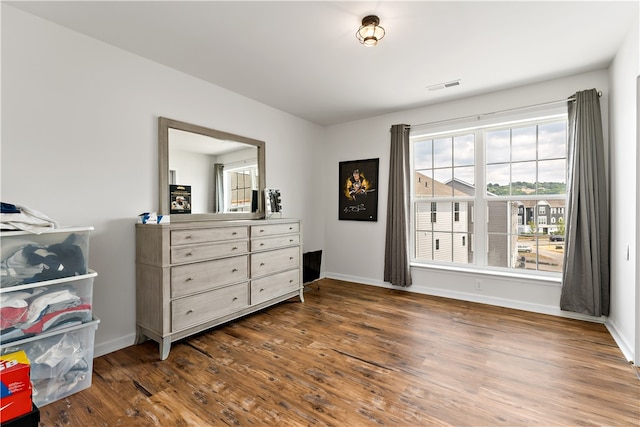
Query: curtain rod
point(526, 107)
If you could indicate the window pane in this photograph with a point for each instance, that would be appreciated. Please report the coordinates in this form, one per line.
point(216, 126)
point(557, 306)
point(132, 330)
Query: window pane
point(526, 252)
point(551, 254)
point(523, 144)
point(498, 146)
point(423, 216)
point(461, 252)
point(424, 246)
point(444, 217)
point(422, 154)
point(423, 183)
point(464, 181)
point(442, 185)
point(552, 177)
point(498, 179)
point(523, 178)
point(552, 140)
point(498, 253)
point(502, 217)
point(443, 253)
point(463, 150)
point(442, 153)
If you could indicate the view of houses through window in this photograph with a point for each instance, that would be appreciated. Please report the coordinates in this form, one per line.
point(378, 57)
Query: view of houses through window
point(516, 221)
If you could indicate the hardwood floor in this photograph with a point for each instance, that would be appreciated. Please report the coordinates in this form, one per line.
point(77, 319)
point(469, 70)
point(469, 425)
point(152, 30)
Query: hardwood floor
point(355, 355)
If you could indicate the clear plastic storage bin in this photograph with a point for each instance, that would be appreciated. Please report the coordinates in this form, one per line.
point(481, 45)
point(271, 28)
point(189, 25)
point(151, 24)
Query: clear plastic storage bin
point(28, 310)
point(27, 258)
point(61, 361)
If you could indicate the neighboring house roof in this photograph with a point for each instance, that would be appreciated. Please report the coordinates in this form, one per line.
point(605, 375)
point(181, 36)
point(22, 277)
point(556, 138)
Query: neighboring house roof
point(427, 187)
point(550, 203)
point(463, 187)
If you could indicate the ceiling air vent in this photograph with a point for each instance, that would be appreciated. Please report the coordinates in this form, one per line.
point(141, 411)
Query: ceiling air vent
point(444, 85)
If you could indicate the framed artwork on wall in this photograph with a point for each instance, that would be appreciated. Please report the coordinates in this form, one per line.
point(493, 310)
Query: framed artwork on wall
point(358, 192)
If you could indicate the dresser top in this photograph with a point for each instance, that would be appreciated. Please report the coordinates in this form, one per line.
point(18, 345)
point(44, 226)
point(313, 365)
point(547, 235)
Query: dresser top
point(217, 223)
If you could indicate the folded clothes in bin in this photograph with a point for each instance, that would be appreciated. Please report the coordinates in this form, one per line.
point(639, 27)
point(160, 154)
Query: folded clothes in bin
point(33, 263)
point(34, 311)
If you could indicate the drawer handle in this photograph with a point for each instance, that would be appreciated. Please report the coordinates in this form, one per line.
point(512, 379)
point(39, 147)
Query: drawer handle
point(234, 270)
point(234, 298)
point(189, 254)
point(189, 279)
point(290, 240)
point(235, 248)
point(290, 280)
point(188, 237)
point(234, 233)
point(261, 244)
point(290, 258)
point(290, 228)
point(189, 311)
point(261, 289)
point(261, 230)
point(261, 264)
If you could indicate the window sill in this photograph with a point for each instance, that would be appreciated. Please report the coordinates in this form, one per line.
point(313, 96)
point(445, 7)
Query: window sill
point(550, 279)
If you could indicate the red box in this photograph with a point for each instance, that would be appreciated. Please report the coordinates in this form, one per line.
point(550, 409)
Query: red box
point(15, 385)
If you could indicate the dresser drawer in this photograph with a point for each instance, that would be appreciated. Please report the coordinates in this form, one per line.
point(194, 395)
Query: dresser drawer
point(273, 229)
point(200, 276)
point(197, 309)
point(203, 235)
point(273, 261)
point(272, 286)
point(201, 252)
point(275, 242)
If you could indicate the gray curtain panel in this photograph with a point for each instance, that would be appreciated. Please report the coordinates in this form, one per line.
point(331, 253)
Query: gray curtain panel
point(218, 187)
point(396, 251)
point(585, 278)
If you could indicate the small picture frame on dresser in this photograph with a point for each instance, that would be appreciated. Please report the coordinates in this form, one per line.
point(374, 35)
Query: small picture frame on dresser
point(180, 197)
point(273, 203)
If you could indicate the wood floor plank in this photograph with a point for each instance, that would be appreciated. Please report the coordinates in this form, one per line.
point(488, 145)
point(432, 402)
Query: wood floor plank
point(356, 355)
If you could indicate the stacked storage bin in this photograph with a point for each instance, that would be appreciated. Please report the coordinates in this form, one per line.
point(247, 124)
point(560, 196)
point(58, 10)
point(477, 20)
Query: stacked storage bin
point(46, 292)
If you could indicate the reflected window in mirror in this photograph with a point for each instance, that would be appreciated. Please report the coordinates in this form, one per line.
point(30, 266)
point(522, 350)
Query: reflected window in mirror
point(240, 184)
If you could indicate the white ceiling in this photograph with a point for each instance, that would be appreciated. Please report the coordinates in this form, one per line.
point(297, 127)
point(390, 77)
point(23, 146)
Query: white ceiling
point(302, 57)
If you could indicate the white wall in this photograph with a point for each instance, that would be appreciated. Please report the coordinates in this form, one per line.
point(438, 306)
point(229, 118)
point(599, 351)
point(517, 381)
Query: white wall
point(624, 192)
point(355, 250)
point(79, 143)
point(195, 170)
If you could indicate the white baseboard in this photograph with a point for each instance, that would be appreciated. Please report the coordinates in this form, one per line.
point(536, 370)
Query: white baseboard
point(624, 346)
point(482, 299)
point(100, 349)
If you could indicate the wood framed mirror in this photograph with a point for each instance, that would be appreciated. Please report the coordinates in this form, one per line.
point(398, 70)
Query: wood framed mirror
point(207, 174)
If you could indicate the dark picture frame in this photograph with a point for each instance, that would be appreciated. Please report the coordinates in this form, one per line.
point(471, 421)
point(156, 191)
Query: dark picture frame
point(180, 198)
point(358, 191)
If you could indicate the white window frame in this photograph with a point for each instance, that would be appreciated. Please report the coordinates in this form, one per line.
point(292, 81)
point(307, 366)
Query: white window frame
point(227, 171)
point(479, 238)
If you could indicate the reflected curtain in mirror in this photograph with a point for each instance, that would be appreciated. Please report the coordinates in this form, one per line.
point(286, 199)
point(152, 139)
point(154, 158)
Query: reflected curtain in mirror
point(396, 253)
point(585, 278)
point(218, 187)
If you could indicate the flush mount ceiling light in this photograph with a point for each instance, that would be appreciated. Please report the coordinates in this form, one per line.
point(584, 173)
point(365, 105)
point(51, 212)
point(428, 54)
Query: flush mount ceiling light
point(370, 32)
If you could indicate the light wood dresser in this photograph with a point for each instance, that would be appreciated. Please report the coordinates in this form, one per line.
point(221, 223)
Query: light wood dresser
point(191, 276)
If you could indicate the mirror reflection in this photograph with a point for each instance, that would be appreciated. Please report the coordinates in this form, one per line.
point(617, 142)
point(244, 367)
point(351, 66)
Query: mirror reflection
point(208, 174)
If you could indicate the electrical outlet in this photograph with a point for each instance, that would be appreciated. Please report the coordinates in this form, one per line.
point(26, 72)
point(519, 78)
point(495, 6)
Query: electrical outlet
point(478, 285)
